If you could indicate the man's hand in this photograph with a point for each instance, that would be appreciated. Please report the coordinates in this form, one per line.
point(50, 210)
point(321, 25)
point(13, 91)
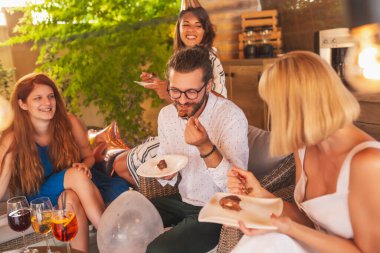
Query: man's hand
point(195, 133)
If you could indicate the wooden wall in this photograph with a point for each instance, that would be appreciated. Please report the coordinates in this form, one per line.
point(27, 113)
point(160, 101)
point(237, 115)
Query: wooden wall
point(5, 52)
point(300, 19)
point(23, 59)
point(225, 15)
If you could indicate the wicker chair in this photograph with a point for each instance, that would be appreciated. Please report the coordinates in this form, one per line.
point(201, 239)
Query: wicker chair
point(280, 181)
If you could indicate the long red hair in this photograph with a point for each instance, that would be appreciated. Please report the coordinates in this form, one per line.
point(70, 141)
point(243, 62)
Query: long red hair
point(27, 172)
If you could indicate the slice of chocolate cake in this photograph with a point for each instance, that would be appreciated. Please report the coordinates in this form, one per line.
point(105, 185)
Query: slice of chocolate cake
point(231, 202)
point(162, 165)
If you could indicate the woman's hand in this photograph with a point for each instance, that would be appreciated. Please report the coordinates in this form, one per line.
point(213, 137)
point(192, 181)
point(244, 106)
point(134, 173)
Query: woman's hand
point(159, 86)
point(245, 183)
point(148, 77)
point(83, 168)
point(283, 224)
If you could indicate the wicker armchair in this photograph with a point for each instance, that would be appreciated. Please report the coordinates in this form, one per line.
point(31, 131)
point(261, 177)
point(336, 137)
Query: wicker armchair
point(280, 181)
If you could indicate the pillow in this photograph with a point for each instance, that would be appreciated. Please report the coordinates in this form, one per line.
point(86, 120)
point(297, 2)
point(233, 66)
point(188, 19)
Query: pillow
point(260, 162)
point(106, 144)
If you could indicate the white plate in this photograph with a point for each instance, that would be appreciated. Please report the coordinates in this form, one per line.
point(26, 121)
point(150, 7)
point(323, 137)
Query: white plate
point(142, 83)
point(175, 163)
point(255, 212)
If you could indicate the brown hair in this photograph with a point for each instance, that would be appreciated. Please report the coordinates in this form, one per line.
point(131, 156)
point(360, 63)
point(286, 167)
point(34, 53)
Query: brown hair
point(27, 172)
point(190, 59)
point(209, 34)
point(307, 101)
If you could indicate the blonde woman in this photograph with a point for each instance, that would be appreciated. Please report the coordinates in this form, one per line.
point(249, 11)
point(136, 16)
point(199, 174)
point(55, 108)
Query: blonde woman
point(45, 152)
point(337, 165)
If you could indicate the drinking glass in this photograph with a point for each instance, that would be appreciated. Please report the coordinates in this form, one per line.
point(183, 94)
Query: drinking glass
point(41, 217)
point(64, 224)
point(19, 218)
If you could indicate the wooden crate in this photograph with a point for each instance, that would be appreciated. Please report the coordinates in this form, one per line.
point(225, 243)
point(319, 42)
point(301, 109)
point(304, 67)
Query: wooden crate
point(259, 19)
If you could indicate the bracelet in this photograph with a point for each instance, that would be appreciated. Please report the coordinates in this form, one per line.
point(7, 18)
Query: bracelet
point(209, 153)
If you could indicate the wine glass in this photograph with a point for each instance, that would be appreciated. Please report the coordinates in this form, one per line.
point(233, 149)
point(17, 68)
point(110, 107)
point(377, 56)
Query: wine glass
point(64, 224)
point(41, 217)
point(19, 218)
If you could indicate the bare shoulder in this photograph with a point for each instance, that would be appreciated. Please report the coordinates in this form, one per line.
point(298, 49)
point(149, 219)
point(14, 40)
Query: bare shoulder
point(72, 118)
point(76, 123)
point(367, 158)
point(6, 139)
point(365, 165)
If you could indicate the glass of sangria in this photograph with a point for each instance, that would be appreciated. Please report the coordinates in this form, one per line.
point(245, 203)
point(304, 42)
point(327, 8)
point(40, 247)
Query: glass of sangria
point(41, 217)
point(19, 218)
point(64, 224)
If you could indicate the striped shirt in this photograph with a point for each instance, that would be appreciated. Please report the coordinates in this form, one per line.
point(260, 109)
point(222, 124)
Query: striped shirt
point(219, 75)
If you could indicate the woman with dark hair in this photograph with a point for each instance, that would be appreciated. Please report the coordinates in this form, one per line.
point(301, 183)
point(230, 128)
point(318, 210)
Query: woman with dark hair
point(193, 28)
point(206, 33)
point(45, 152)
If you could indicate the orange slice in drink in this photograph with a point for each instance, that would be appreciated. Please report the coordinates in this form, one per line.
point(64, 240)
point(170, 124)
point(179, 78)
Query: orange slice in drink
point(70, 217)
point(64, 220)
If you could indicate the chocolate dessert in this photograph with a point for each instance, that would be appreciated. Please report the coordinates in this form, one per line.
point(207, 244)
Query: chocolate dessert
point(182, 113)
point(162, 165)
point(230, 202)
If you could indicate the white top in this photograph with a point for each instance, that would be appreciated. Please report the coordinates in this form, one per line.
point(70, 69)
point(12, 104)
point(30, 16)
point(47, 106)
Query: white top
point(219, 75)
point(227, 128)
point(330, 212)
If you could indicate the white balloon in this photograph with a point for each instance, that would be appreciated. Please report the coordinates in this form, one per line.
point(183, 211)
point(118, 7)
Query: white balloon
point(6, 114)
point(129, 224)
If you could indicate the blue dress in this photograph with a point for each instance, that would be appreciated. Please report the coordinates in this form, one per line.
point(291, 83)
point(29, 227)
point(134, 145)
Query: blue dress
point(110, 187)
point(52, 186)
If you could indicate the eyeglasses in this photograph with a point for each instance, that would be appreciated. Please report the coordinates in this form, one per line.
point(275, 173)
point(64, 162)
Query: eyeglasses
point(191, 94)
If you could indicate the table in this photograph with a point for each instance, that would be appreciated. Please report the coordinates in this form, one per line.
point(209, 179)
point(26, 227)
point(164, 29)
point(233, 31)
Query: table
point(62, 249)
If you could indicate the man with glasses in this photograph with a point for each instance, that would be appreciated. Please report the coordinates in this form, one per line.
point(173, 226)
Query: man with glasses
point(212, 132)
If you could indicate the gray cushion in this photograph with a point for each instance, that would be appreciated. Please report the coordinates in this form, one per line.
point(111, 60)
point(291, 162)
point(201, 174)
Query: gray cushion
point(260, 162)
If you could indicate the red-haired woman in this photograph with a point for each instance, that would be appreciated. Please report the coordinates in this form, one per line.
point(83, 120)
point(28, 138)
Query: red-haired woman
point(45, 152)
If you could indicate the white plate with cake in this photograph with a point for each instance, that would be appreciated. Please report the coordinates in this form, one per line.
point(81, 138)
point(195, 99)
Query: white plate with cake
point(229, 209)
point(162, 166)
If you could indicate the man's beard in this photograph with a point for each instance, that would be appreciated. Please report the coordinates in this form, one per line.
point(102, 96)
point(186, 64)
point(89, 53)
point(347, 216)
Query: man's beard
point(194, 107)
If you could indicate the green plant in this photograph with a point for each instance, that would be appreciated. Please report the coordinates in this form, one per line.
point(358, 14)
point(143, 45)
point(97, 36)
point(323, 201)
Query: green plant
point(95, 49)
point(6, 81)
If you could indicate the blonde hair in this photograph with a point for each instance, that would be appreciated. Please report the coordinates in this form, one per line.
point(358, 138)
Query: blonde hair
point(307, 101)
